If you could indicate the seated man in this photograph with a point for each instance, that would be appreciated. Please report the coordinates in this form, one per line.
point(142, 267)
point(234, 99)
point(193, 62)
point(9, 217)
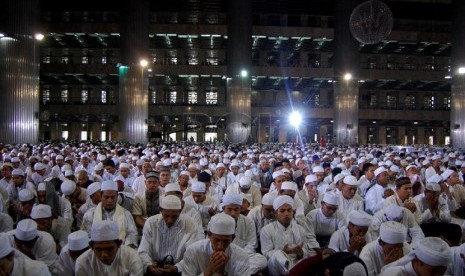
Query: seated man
point(78, 243)
point(245, 231)
point(433, 207)
point(217, 254)
point(403, 197)
point(353, 237)
point(283, 241)
point(94, 199)
point(263, 214)
point(389, 247)
point(147, 203)
point(245, 187)
point(202, 202)
point(107, 255)
point(57, 227)
point(13, 262)
point(431, 256)
point(166, 236)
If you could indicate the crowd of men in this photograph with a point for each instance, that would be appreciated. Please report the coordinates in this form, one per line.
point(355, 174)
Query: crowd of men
point(216, 209)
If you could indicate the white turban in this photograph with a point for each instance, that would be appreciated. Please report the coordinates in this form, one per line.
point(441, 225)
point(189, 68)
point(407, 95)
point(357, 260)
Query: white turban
point(433, 251)
point(26, 230)
point(289, 185)
point(109, 185)
point(331, 198)
point(359, 218)
point(78, 240)
point(170, 202)
point(268, 199)
point(41, 211)
point(394, 212)
point(281, 200)
point(104, 230)
point(350, 180)
point(392, 232)
point(232, 199)
point(93, 188)
point(198, 187)
point(41, 187)
point(68, 187)
point(245, 182)
point(222, 224)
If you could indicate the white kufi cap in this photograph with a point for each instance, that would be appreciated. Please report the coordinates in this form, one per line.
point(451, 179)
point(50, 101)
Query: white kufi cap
point(109, 185)
point(232, 199)
point(78, 240)
point(433, 251)
point(198, 187)
point(281, 200)
point(41, 211)
point(6, 248)
point(170, 202)
point(394, 212)
point(104, 230)
point(222, 224)
point(68, 187)
point(268, 199)
point(359, 218)
point(93, 188)
point(331, 198)
point(26, 230)
point(392, 232)
point(25, 195)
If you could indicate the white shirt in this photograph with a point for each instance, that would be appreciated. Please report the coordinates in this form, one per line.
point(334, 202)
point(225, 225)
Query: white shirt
point(427, 216)
point(318, 223)
point(457, 266)
point(256, 215)
point(372, 256)
point(374, 199)
point(245, 236)
point(254, 193)
point(24, 266)
point(203, 208)
point(197, 258)
point(66, 264)
point(138, 186)
point(346, 205)
point(126, 262)
point(404, 270)
point(340, 240)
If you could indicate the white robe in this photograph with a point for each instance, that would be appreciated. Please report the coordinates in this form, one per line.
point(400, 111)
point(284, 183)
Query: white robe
point(24, 266)
point(126, 262)
point(340, 240)
point(444, 212)
point(374, 199)
point(372, 256)
point(394, 199)
point(256, 215)
point(318, 223)
point(457, 266)
point(203, 208)
point(192, 213)
point(346, 205)
point(197, 258)
point(403, 270)
point(154, 238)
point(66, 264)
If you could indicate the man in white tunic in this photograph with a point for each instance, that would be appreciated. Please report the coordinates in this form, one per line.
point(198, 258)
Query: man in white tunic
point(309, 194)
point(434, 208)
point(349, 199)
point(147, 203)
point(264, 214)
point(353, 237)
point(375, 195)
point(93, 190)
point(283, 241)
point(457, 266)
point(245, 187)
point(166, 237)
point(245, 236)
point(431, 256)
point(325, 220)
point(57, 227)
point(202, 202)
point(107, 255)
point(13, 262)
point(78, 243)
point(217, 254)
point(108, 209)
point(389, 247)
point(403, 197)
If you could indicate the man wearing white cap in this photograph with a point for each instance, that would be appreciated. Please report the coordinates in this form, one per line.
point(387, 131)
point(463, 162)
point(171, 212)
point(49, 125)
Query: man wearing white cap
point(234, 175)
point(349, 199)
point(376, 194)
point(325, 220)
point(98, 173)
point(202, 202)
point(75, 194)
point(245, 235)
point(56, 169)
point(6, 222)
point(166, 237)
point(284, 242)
point(309, 195)
point(220, 178)
point(13, 262)
point(57, 227)
point(107, 255)
point(147, 204)
point(451, 179)
point(435, 167)
point(138, 185)
point(431, 256)
point(389, 247)
point(244, 186)
point(433, 207)
point(94, 199)
point(218, 254)
point(368, 178)
point(39, 174)
point(125, 173)
point(19, 183)
point(108, 209)
point(403, 197)
point(37, 245)
point(263, 214)
point(78, 243)
point(85, 164)
point(278, 179)
point(352, 237)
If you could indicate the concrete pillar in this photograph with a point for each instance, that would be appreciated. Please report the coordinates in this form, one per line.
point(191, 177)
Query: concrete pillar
point(457, 111)
point(420, 139)
point(239, 60)
point(346, 60)
point(381, 135)
point(133, 78)
point(363, 135)
point(19, 73)
point(401, 135)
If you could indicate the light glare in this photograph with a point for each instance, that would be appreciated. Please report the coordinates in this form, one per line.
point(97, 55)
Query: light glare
point(144, 63)
point(295, 119)
point(39, 37)
point(462, 70)
point(348, 76)
point(243, 73)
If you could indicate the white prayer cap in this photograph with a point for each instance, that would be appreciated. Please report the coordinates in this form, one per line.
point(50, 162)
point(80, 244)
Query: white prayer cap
point(339, 177)
point(41, 211)
point(410, 166)
point(78, 240)
point(15, 160)
point(222, 224)
point(93, 188)
point(203, 162)
point(311, 178)
point(124, 165)
point(445, 175)
point(220, 165)
point(354, 269)
point(394, 168)
point(232, 199)
point(26, 230)
point(68, 187)
point(25, 195)
point(170, 202)
point(285, 170)
point(436, 157)
point(69, 173)
point(359, 218)
point(167, 162)
point(38, 166)
point(17, 172)
point(234, 163)
point(98, 167)
point(318, 169)
point(247, 163)
point(277, 173)
point(281, 200)
point(392, 232)
point(198, 187)
point(350, 180)
point(245, 182)
point(109, 185)
point(434, 187)
point(159, 164)
point(6, 248)
point(436, 178)
point(119, 178)
point(433, 251)
point(289, 185)
point(69, 158)
point(331, 198)
point(41, 187)
point(394, 212)
point(59, 157)
point(379, 170)
point(186, 173)
point(139, 162)
point(104, 230)
point(268, 199)
point(172, 187)
point(425, 162)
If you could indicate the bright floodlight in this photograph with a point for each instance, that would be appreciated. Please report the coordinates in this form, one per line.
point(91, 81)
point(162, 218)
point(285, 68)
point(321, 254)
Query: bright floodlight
point(144, 63)
point(348, 76)
point(39, 36)
point(244, 73)
point(295, 119)
point(462, 70)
